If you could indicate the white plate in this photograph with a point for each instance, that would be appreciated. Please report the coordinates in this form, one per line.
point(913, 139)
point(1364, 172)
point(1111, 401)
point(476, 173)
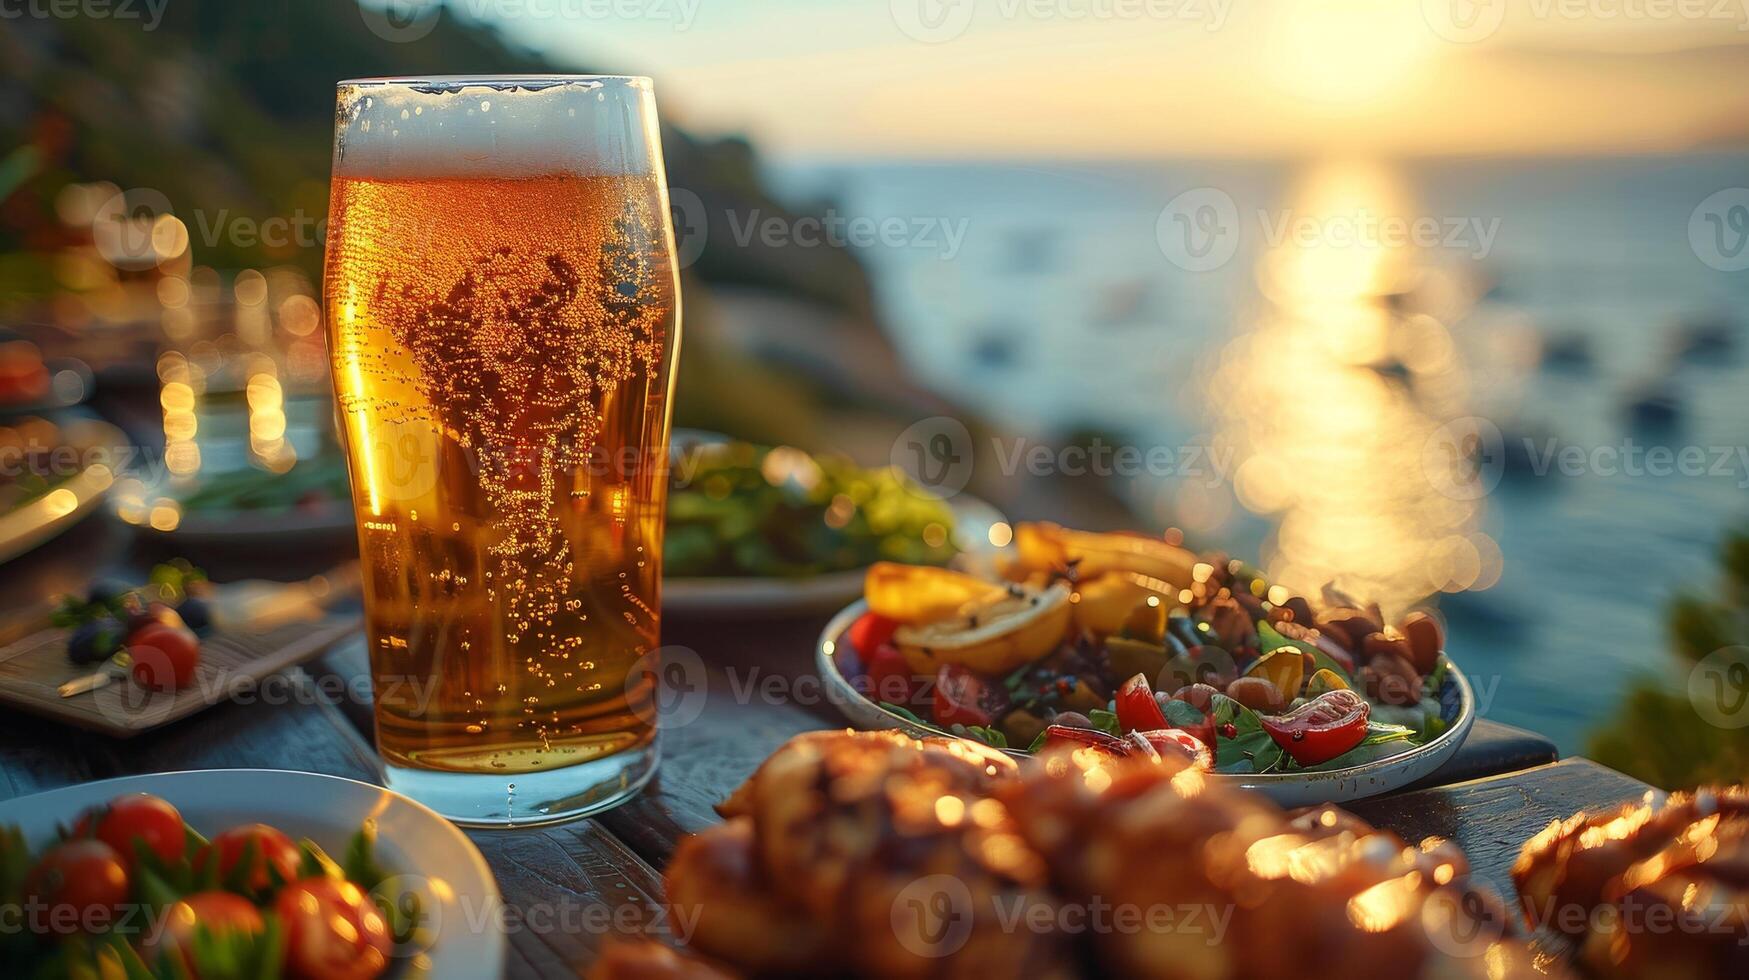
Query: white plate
point(429, 852)
point(1287, 789)
point(751, 598)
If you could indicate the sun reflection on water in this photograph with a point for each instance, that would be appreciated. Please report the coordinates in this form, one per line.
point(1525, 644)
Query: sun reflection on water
point(1336, 391)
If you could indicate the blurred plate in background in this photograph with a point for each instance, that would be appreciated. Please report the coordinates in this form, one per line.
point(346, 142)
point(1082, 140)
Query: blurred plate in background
point(43, 504)
point(752, 598)
point(306, 507)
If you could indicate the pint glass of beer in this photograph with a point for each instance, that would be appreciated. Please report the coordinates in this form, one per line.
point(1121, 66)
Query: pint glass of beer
point(503, 319)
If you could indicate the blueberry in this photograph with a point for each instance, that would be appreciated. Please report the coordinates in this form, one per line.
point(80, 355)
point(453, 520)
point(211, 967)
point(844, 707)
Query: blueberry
point(95, 641)
point(107, 591)
point(196, 614)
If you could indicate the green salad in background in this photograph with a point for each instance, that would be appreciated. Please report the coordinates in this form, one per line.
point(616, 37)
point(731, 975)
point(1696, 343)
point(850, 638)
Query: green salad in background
point(318, 482)
point(739, 510)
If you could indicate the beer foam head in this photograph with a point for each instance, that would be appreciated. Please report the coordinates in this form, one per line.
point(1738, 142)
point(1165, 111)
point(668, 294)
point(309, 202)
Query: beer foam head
point(496, 126)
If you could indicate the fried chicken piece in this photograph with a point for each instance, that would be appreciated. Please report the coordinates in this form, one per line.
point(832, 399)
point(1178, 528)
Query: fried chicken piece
point(1253, 893)
point(872, 854)
point(1650, 889)
point(1681, 913)
point(971, 765)
point(1564, 872)
point(713, 878)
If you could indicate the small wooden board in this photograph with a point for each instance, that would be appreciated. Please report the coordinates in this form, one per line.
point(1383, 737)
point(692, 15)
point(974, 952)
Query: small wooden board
point(234, 665)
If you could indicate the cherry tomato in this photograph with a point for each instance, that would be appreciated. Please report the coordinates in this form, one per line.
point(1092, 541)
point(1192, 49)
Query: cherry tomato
point(218, 914)
point(137, 816)
point(1322, 728)
point(164, 656)
point(271, 849)
point(1137, 711)
point(964, 698)
point(890, 678)
point(155, 614)
point(869, 632)
point(77, 886)
point(333, 931)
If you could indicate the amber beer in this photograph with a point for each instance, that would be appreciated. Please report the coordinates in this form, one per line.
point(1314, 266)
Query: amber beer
point(503, 320)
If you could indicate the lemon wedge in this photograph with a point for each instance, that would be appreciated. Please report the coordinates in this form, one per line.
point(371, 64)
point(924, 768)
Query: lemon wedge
point(1043, 546)
point(919, 594)
point(1325, 681)
point(1284, 668)
point(991, 636)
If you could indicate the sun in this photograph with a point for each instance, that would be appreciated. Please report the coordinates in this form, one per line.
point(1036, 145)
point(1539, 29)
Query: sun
point(1347, 52)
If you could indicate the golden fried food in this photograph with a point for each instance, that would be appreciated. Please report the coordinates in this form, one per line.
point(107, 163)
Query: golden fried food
point(1681, 913)
point(971, 766)
point(1658, 888)
point(869, 853)
point(1253, 893)
point(714, 878)
point(876, 855)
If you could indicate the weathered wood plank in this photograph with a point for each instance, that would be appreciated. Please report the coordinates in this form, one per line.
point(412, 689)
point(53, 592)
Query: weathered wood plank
point(567, 890)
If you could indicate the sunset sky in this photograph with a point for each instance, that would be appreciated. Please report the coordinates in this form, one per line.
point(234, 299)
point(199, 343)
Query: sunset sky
point(1103, 78)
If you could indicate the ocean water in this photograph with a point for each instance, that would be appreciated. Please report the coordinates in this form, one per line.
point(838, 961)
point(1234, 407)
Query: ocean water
point(1318, 333)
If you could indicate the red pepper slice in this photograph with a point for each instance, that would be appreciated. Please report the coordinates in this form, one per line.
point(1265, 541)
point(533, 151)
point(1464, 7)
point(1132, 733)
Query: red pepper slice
point(1172, 742)
point(1083, 738)
point(1322, 728)
point(1137, 711)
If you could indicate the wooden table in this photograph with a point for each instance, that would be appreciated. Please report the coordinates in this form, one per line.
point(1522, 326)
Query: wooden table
point(567, 888)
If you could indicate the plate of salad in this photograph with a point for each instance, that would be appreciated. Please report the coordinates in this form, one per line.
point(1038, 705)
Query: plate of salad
point(185, 874)
point(1128, 643)
point(307, 506)
point(762, 530)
